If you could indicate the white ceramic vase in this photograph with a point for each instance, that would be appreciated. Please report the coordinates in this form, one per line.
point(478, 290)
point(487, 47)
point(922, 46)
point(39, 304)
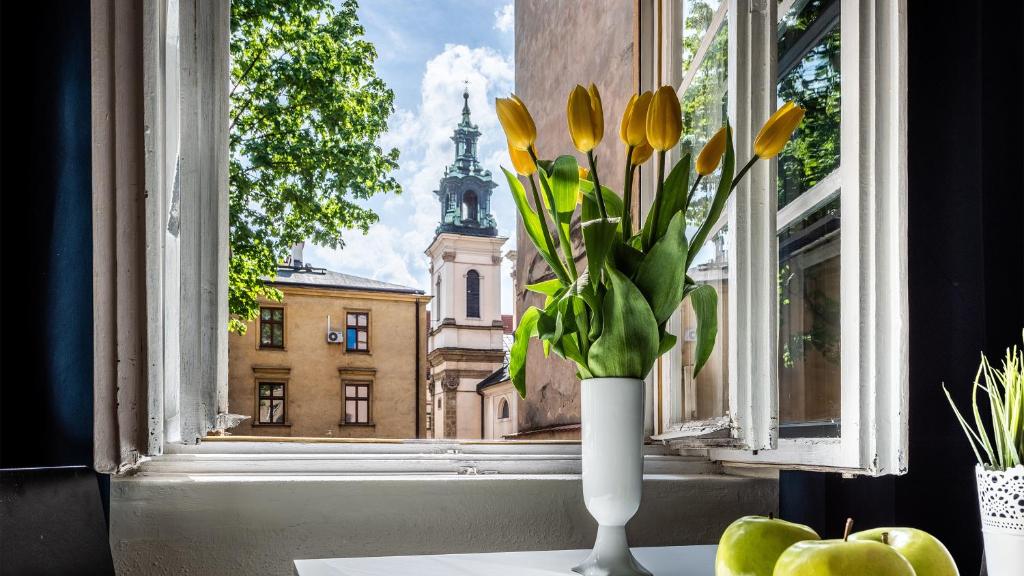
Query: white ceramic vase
point(612, 411)
point(1001, 500)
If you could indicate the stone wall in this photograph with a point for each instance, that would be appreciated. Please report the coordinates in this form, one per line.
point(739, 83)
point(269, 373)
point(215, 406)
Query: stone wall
point(560, 44)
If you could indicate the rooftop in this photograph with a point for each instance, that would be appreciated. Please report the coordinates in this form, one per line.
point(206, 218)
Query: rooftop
point(306, 275)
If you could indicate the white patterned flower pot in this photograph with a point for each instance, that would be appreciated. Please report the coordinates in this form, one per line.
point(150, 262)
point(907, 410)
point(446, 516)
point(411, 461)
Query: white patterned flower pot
point(612, 412)
point(1001, 499)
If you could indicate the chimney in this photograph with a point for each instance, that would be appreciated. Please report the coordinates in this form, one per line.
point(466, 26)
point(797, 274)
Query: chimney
point(296, 259)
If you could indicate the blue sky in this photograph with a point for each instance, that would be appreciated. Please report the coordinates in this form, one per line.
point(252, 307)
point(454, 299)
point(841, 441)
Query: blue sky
point(426, 50)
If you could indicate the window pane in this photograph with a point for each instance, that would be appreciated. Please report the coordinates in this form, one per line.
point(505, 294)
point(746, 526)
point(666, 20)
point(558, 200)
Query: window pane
point(350, 411)
point(697, 17)
point(362, 392)
point(705, 108)
point(277, 390)
point(362, 319)
point(264, 390)
point(278, 314)
point(350, 391)
point(278, 335)
point(361, 411)
point(265, 313)
point(265, 334)
point(809, 75)
point(351, 319)
point(809, 330)
point(362, 337)
point(350, 339)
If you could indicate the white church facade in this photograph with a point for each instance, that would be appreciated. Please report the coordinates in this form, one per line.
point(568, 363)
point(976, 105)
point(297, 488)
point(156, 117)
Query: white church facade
point(465, 346)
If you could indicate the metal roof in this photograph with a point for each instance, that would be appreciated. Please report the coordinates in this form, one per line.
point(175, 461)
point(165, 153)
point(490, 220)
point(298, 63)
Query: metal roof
point(323, 278)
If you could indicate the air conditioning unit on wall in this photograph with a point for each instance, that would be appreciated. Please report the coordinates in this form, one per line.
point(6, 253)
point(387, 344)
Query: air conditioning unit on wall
point(335, 337)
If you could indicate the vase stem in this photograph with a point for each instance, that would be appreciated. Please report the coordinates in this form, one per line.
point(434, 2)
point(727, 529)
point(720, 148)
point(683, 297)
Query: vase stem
point(611, 555)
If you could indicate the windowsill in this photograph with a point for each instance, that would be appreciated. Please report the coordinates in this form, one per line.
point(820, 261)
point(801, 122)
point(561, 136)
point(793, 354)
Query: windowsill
point(270, 425)
point(271, 349)
point(362, 352)
point(358, 424)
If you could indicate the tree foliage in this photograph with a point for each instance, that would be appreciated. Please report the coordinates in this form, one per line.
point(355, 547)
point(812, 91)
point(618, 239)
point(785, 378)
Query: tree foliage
point(307, 109)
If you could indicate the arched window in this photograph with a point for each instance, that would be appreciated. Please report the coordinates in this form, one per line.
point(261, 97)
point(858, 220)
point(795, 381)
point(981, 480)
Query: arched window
point(469, 207)
point(503, 410)
point(437, 301)
point(473, 294)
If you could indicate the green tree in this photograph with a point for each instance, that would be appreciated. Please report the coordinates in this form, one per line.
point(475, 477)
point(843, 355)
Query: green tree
point(307, 109)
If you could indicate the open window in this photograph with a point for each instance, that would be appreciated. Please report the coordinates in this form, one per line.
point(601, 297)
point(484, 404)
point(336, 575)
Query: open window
point(810, 261)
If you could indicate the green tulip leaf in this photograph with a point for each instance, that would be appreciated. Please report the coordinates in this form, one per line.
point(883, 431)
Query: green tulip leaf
point(520, 344)
point(598, 238)
point(628, 345)
point(671, 200)
point(612, 202)
point(626, 258)
point(659, 276)
point(532, 222)
point(551, 287)
point(565, 186)
point(705, 308)
point(666, 343)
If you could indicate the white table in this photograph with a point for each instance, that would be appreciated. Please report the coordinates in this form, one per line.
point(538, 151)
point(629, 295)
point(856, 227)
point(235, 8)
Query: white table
point(662, 561)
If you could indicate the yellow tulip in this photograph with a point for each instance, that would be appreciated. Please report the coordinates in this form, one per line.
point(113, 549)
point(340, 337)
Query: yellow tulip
point(521, 161)
point(641, 153)
point(711, 154)
point(777, 130)
point(664, 119)
point(633, 130)
point(516, 121)
point(586, 118)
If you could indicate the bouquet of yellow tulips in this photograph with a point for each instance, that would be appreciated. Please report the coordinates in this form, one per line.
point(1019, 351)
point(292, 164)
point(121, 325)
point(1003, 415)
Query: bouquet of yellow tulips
point(610, 317)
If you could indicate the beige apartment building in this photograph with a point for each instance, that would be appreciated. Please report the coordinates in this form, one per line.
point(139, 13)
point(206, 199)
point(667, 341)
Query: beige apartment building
point(339, 356)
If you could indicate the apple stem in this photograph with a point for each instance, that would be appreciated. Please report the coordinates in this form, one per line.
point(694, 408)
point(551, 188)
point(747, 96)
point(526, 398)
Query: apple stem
point(885, 537)
point(846, 531)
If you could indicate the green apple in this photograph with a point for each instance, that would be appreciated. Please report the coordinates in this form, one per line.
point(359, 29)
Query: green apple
point(842, 558)
point(751, 545)
point(926, 554)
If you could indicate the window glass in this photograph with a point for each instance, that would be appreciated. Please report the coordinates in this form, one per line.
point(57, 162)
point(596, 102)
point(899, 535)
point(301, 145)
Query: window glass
point(271, 327)
point(357, 332)
point(810, 385)
point(271, 403)
point(808, 70)
point(357, 404)
point(473, 294)
point(704, 102)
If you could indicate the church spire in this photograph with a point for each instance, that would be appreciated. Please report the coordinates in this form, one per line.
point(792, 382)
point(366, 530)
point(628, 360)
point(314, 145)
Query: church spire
point(465, 190)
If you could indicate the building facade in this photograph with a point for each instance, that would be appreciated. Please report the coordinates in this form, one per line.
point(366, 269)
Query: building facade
point(339, 356)
point(466, 332)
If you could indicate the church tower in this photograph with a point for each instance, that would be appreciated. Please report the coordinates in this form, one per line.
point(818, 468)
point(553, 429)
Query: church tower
point(465, 341)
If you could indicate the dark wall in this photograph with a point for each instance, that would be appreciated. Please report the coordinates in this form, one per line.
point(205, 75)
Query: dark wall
point(46, 306)
point(966, 267)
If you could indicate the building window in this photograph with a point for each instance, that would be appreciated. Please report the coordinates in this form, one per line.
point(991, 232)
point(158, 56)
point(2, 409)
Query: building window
point(503, 410)
point(437, 300)
point(357, 332)
point(271, 327)
point(469, 206)
point(473, 294)
point(271, 403)
point(357, 403)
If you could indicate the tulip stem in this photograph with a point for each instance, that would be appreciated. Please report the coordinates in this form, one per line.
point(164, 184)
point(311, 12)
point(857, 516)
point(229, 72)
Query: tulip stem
point(597, 185)
point(627, 196)
point(656, 204)
point(743, 172)
point(847, 529)
point(563, 236)
point(689, 195)
point(559, 271)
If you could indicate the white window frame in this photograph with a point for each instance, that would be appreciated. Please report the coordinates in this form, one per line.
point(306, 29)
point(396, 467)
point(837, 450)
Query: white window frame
point(872, 185)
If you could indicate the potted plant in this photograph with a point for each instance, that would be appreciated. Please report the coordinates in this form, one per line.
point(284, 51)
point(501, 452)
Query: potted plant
point(609, 315)
point(1000, 455)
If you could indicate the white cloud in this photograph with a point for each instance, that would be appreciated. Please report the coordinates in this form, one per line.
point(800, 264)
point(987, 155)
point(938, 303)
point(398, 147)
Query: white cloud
point(504, 18)
point(393, 249)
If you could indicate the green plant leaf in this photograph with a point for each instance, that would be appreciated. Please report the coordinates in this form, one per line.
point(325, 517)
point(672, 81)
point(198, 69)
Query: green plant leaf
point(705, 308)
point(627, 258)
point(628, 345)
point(598, 238)
point(671, 201)
point(520, 344)
point(719, 201)
point(659, 276)
point(565, 186)
point(612, 202)
point(667, 341)
point(531, 221)
point(552, 287)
